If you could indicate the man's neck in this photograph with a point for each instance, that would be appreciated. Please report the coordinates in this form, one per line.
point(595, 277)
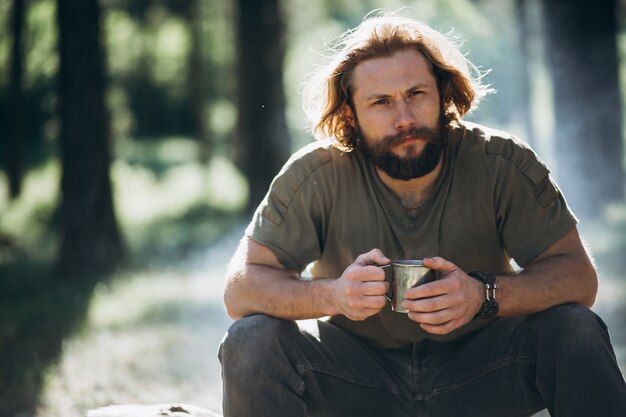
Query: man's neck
point(412, 193)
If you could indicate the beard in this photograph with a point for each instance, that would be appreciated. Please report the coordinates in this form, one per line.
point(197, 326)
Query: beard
point(379, 152)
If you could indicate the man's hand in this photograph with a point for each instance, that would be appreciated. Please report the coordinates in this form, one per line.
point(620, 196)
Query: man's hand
point(446, 304)
point(360, 291)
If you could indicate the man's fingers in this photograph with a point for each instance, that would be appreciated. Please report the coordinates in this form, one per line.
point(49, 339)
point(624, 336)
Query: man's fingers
point(375, 302)
point(363, 313)
point(429, 304)
point(368, 302)
point(435, 318)
point(373, 257)
point(367, 288)
point(429, 290)
point(375, 288)
point(440, 329)
point(439, 264)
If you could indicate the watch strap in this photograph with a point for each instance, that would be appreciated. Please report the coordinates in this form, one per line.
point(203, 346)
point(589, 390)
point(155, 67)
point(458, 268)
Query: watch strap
point(490, 307)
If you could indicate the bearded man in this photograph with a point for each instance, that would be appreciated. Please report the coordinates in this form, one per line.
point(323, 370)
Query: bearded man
point(401, 176)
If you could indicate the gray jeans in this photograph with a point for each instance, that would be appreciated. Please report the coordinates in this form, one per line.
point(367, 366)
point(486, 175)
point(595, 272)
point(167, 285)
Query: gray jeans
point(560, 359)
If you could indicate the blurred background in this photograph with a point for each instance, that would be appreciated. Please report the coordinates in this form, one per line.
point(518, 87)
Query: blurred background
point(138, 135)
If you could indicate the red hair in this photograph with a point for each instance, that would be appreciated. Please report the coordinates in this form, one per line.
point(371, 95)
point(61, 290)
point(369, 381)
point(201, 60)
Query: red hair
point(329, 90)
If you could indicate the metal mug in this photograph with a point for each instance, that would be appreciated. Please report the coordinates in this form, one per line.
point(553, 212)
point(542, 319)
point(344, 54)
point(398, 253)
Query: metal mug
point(406, 274)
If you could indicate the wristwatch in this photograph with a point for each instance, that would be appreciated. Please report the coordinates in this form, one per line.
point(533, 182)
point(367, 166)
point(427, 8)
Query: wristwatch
point(490, 306)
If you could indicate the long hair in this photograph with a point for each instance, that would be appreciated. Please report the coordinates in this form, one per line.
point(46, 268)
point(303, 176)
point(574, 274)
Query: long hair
point(329, 90)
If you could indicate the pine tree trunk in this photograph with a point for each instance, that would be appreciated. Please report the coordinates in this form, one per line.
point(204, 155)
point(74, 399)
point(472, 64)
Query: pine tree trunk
point(582, 54)
point(16, 103)
point(262, 140)
point(91, 243)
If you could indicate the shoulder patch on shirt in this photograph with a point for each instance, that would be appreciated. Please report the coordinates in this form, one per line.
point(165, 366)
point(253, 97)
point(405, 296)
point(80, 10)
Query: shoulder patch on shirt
point(287, 184)
point(524, 159)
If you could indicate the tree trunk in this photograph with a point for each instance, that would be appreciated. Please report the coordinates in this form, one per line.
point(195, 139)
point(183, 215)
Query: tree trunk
point(91, 243)
point(262, 140)
point(16, 103)
point(582, 54)
point(197, 78)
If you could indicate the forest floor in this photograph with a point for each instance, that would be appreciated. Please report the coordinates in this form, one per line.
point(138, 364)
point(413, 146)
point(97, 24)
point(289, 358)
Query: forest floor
point(152, 337)
point(149, 337)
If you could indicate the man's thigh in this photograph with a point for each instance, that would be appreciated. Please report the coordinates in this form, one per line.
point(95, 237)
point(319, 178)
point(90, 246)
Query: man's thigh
point(519, 365)
point(276, 367)
point(490, 373)
point(346, 377)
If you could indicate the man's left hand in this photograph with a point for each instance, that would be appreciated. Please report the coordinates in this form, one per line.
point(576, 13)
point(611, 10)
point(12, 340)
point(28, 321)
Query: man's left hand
point(446, 304)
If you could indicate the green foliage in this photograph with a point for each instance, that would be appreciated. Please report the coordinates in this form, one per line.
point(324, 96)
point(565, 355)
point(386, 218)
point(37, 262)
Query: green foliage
point(40, 40)
point(176, 238)
point(28, 224)
point(167, 202)
point(148, 62)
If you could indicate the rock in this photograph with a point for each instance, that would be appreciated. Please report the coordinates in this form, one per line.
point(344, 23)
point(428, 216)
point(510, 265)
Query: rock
point(157, 410)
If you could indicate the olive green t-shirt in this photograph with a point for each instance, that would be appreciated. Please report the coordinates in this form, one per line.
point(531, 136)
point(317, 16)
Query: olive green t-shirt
point(494, 201)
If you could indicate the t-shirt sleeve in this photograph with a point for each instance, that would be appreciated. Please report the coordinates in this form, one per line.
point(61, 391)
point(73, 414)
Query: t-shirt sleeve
point(531, 212)
point(290, 219)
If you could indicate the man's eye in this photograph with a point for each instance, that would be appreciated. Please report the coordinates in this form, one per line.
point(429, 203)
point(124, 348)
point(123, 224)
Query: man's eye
point(381, 101)
point(415, 93)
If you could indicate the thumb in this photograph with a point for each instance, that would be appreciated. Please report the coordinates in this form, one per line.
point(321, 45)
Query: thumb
point(439, 264)
point(373, 257)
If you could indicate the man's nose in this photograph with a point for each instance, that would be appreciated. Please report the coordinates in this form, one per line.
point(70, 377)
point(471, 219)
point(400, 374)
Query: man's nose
point(404, 116)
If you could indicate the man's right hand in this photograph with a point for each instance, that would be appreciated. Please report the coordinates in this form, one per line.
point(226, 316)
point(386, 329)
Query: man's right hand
point(360, 291)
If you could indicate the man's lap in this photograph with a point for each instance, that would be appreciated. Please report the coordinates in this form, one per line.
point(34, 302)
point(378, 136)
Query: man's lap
point(493, 370)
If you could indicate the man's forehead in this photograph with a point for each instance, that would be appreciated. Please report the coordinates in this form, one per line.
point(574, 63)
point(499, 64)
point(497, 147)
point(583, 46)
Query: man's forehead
point(405, 69)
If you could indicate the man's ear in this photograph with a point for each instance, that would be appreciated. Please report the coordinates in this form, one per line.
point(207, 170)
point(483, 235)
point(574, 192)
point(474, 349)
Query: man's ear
point(349, 115)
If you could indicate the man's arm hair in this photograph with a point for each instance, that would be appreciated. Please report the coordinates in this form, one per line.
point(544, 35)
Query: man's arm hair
point(258, 283)
point(563, 273)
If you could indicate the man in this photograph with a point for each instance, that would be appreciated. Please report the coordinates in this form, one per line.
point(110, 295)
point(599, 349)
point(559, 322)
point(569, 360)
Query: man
point(404, 178)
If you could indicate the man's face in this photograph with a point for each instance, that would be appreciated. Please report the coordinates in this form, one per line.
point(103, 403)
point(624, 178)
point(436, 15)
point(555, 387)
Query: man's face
point(397, 113)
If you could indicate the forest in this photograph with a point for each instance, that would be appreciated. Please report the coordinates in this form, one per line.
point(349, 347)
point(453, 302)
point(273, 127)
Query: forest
point(136, 138)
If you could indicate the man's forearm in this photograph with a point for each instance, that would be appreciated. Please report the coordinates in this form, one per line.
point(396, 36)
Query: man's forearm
point(278, 293)
point(552, 281)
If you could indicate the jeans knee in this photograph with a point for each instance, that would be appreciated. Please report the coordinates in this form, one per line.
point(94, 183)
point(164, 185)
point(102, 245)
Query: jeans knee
point(573, 324)
point(252, 341)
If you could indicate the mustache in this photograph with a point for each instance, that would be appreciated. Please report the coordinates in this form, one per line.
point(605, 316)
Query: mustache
point(422, 132)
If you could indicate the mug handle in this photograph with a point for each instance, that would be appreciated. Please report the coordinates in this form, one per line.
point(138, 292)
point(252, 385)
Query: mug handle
point(388, 276)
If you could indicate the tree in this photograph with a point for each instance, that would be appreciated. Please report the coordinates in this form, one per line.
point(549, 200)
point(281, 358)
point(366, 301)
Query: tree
point(582, 55)
point(91, 242)
point(197, 75)
point(262, 140)
point(15, 138)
